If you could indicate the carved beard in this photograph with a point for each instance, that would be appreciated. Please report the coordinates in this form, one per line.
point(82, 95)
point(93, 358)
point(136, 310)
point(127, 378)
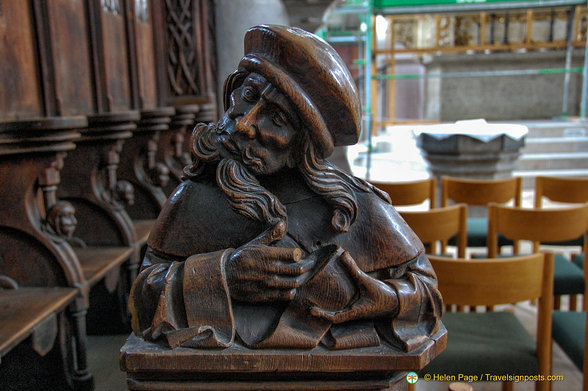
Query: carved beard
point(245, 194)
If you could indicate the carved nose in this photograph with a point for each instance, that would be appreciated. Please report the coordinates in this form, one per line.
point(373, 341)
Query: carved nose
point(247, 124)
point(246, 127)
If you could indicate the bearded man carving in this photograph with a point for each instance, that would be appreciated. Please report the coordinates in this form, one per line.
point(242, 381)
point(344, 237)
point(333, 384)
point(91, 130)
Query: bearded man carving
point(267, 244)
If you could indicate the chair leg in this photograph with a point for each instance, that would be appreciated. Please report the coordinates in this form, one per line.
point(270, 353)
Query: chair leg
point(573, 302)
point(507, 386)
point(460, 387)
point(556, 302)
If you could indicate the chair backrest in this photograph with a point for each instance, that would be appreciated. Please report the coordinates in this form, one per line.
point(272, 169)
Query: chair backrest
point(480, 192)
point(438, 226)
point(489, 282)
point(536, 225)
point(410, 193)
point(560, 189)
point(493, 281)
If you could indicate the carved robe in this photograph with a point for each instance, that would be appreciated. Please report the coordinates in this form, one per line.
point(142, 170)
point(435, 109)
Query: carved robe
point(181, 293)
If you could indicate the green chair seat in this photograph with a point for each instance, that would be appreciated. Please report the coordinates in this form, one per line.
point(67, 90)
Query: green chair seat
point(579, 260)
point(568, 278)
point(493, 342)
point(477, 229)
point(569, 331)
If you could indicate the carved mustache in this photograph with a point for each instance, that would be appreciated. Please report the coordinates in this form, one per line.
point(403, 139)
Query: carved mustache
point(248, 153)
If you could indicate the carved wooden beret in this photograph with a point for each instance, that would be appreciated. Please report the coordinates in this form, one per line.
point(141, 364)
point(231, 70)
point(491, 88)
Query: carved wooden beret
point(313, 76)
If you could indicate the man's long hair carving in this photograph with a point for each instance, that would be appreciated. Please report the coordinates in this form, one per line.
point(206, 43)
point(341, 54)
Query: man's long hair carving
point(249, 198)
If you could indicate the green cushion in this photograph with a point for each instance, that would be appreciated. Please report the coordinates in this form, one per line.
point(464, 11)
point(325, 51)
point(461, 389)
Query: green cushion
point(569, 331)
point(477, 231)
point(477, 228)
point(579, 260)
point(568, 278)
point(492, 342)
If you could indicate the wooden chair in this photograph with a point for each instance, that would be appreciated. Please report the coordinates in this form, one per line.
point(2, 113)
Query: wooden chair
point(569, 327)
point(540, 226)
point(410, 193)
point(560, 189)
point(495, 342)
point(565, 190)
point(437, 226)
point(571, 334)
point(476, 192)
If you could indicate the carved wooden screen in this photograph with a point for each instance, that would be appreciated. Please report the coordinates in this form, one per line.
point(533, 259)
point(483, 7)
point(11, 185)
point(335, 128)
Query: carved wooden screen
point(184, 54)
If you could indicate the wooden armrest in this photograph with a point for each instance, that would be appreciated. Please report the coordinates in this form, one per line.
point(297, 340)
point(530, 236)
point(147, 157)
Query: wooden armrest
point(97, 261)
point(24, 309)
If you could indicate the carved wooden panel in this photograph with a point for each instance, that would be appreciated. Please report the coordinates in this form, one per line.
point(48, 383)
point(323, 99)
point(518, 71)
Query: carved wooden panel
point(71, 56)
point(116, 55)
point(145, 54)
point(20, 96)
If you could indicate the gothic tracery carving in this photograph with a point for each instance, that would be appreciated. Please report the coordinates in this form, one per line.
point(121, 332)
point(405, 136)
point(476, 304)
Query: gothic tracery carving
point(182, 66)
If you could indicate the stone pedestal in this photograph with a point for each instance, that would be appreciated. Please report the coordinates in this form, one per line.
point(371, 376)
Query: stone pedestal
point(472, 149)
point(152, 366)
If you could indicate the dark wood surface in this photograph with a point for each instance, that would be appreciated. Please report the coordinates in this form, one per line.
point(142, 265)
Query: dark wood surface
point(142, 228)
point(79, 77)
point(140, 356)
point(153, 366)
point(97, 261)
point(24, 308)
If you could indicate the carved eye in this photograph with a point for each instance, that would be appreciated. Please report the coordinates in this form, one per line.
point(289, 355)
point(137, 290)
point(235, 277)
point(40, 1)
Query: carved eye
point(249, 94)
point(278, 118)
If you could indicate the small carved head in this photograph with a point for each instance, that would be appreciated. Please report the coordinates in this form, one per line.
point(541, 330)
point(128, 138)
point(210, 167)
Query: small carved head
point(125, 192)
point(159, 175)
point(61, 218)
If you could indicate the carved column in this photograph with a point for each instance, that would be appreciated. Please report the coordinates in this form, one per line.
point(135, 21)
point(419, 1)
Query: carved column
point(141, 166)
point(106, 233)
point(175, 145)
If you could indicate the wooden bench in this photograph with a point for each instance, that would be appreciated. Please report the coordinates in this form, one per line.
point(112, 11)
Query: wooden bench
point(31, 312)
point(34, 251)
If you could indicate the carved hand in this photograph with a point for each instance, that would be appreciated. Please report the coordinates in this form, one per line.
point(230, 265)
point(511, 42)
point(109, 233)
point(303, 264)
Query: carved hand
point(258, 273)
point(374, 298)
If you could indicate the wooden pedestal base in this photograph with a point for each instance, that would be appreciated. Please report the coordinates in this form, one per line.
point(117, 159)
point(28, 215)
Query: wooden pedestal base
point(152, 366)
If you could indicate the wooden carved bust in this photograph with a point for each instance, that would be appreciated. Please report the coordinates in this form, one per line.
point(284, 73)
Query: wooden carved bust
point(267, 244)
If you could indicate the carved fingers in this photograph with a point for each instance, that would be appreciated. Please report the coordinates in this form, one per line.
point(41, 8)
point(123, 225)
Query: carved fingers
point(374, 298)
point(262, 273)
